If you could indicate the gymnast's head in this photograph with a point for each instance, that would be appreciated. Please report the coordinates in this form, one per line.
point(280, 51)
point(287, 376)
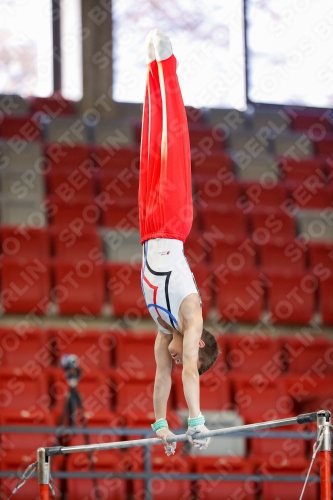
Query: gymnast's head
point(208, 350)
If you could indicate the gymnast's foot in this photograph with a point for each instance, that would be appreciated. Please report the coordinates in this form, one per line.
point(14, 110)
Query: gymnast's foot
point(162, 45)
point(150, 48)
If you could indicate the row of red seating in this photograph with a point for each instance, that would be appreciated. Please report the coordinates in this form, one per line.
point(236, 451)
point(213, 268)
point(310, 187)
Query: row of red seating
point(79, 287)
point(98, 161)
point(205, 138)
point(268, 253)
point(102, 349)
point(81, 164)
point(71, 187)
point(112, 421)
point(164, 488)
point(94, 158)
point(236, 254)
point(247, 196)
point(129, 391)
point(264, 223)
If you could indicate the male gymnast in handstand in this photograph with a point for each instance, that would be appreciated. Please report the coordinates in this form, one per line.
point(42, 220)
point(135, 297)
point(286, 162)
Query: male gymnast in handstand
point(166, 212)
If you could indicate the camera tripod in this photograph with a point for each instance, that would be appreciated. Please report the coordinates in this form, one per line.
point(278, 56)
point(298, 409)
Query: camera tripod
point(73, 408)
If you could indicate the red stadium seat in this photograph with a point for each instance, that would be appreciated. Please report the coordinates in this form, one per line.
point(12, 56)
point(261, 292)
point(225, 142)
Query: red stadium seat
point(195, 115)
point(26, 443)
point(329, 171)
point(313, 198)
point(217, 164)
point(75, 213)
point(93, 347)
point(79, 285)
point(291, 296)
point(262, 448)
point(83, 242)
point(225, 221)
point(123, 216)
point(94, 388)
point(203, 279)
point(297, 467)
point(27, 242)
point(228, 488)
point(211, 191)
point(268, 224)
point(214, 392)
point(133, 393)
point(306, 120)
point(308, 354)
point(21, 391)
point(254, 354)
point(136, 127)
point(235, 254)
point(197, 249)
point(261, 195)
point(109, 488)
point(28, 348)
point(310, 392)
point(197, 224)
point(116, 160)
point(126, 295)
point(25, 285)
point(104, 419)
point(326, 301)
point(280, 254)
point(165, 488)
point(64, 157)
point(309, 171)
point(220, 366)
point(256, 397)
point(321, 257)
point(54, 106)
point(70, 186)
point(120, 186)
point(324, 146)
point(240, 295)
point(135, 351)
point(205, 139)
point(20, 128)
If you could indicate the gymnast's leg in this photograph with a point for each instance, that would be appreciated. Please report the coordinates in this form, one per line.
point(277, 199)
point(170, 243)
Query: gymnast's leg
point(165, 194)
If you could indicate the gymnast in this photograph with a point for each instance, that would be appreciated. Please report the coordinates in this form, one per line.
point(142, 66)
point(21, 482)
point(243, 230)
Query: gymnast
point(166, 213)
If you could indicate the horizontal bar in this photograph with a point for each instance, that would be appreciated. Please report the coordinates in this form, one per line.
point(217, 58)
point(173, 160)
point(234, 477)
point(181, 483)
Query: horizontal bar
point(173, 477)
point(146, 431)
point(59, 450)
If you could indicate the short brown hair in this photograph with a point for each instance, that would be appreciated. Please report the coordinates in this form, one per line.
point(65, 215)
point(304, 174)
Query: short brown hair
point(209, 353)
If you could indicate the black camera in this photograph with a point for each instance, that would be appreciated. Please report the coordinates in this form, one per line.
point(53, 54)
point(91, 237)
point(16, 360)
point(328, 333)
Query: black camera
point(70, 363)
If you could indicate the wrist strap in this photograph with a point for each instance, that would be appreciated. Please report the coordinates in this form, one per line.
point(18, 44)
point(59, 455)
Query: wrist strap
point(199, 420)
point(161, 423)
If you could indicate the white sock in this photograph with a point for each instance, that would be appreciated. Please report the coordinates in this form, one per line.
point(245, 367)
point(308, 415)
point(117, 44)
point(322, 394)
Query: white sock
point(162, 45)
point(150, 56)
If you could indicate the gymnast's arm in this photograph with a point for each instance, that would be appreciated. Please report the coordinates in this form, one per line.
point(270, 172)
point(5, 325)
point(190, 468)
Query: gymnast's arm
point(190, 376)
point(162, 387)
point(162, 384)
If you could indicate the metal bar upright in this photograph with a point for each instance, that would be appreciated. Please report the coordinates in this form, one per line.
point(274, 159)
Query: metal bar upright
point(147, 481)
point(324, 421)
point(56, 12)
point(43, 469)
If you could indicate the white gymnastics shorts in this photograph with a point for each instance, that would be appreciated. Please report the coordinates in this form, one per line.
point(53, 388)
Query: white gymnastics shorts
point(166, 279)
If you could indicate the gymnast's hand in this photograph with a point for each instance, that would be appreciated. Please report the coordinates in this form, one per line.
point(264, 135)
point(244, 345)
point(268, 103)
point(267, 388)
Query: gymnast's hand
point(170, 448)
point(202, 444)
